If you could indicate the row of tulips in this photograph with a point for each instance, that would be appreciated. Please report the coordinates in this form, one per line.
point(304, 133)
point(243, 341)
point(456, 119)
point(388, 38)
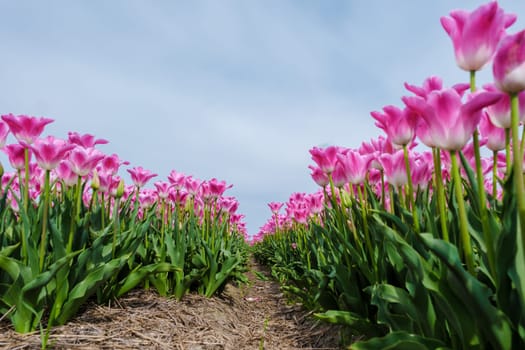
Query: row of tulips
point(421, 248)
point(70, 229)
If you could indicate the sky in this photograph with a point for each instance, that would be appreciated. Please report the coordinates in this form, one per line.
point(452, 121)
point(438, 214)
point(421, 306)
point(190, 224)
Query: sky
point(235, 90)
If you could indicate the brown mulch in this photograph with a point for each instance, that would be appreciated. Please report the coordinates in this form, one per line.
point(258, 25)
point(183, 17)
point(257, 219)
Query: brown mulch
point(252, 316)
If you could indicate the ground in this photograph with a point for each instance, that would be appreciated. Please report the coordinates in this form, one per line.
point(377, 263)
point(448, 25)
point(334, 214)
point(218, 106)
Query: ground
point(250, 316)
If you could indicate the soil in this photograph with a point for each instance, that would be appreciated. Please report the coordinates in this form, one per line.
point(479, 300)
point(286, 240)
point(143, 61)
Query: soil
point(250, 316)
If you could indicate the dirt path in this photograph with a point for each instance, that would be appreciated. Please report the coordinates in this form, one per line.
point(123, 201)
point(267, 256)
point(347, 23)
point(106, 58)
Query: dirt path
point(253, 316)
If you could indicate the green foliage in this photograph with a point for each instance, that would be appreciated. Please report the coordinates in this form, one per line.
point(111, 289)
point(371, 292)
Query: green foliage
point(92, 252)
point(409, 289)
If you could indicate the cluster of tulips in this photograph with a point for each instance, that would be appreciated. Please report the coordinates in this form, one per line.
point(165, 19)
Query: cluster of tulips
point(412, 244)
point(71, 229)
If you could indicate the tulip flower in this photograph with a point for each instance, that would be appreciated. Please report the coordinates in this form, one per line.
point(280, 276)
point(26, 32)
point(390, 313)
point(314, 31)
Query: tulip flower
point(192, 185)
point(4, 131)
point(509, 64)
point(162, 188)
point(434, 83)
point(217, 188)
point(430, 84)
point(16, 155)
point(499, 112)
point(475, 35)
point(84, 160)
point(339, 175)
point(316, 202)
point(64, 172)
point(495, 135)
point(394, 166)
point(319, 176)
point(450, 122)
point(275, 207)
point(398, 124)
point(86, 140)
point(176, 179)
point(325, 158)
point(140, 176)
point(50, 151)
point(355, 166)
point(111, 164)
point(26, 129)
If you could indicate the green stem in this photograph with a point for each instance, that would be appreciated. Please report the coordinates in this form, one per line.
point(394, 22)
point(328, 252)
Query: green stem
point(463, 225)
point(367, 233)
point(23, 232)
point(518, 165)
point(472, 81)
point(26, 179)
point(116, 226)
point(522, 146)
point(483, 211)
point(383, 191)
point(440, 194)
point(411, 190)
point(75, 215)
point(487, 234)
point(494, 175)
point(163, 224)
point(43, 237)
point(508, 157)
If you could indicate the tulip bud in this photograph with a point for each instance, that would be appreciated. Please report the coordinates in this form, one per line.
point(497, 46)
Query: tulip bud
point(120, 189)
point(95, 181)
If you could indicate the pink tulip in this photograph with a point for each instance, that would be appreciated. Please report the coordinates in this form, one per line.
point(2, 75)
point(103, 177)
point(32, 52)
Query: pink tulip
point(4, 131)
point(163, 189)
point(50, 151)
point(217, 188)
point(316, 202)
point(26, 129)
point(275, 207)
point(229, 204)
point(114, 185)
point(339, 175)
point(300, 215)
point(105, 180)
point(325, 158)
point(375, 148)
point(422, 170)
point(66, 174)
point(111, 164)
point(395, 169)
point(499, 112)
point(178, 196)
point(450, 122)
point(495, 136)
point(475, 35)
point(319, 176)
point(430, 84)
point(509, 64)
point(86, 140)
point(147, 198)
point(140, 176)
point(434, 83)
point(176, 179)
point(355, 166)
point(192, 185)
point(16, 155)
point(84, 160)
point(398, 124)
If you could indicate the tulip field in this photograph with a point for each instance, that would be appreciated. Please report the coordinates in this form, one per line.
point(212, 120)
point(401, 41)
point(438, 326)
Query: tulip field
point(70, 229)
point(414, 240)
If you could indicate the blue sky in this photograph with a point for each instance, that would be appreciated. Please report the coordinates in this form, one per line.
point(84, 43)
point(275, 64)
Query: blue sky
point(237, 90)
